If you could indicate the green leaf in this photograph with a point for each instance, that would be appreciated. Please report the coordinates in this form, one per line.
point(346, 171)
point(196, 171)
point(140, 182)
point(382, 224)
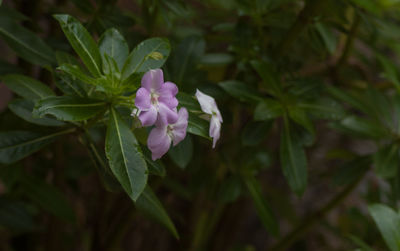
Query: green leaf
point(48, 197)
point(25, 43)
point(114, 45)
point(125, 157)
point(268, 109)
point(240, 91)
point(149, 205)
point(351, 170)
point(328, 37)
point(188, 101)
point(155, 167)
point(23, 108)
point(299, 116)
point(270, 78)
point(324, 108)
point(360, 243)
point(263, 209)
point(293, 160)
point(255, 132)
point(149, 54)
point(7, 68)
point(390, 71)
point(66, 58)
point(216, 59)
point(27, 87)
point(70, 85)
point(67, 108)
point(198, 126)
point(76, 72)
point(361, 127)
point(82, 42)
point(182, 153)
point(16, 145)
point(388, 222)
point(15, 216)
point(386, 161)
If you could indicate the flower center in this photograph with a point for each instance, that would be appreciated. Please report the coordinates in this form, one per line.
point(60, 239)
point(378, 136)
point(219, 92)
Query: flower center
point(170, 129)
point(154, 98)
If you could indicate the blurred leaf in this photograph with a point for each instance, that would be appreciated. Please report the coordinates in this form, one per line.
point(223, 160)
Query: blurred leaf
point(324, 108)
point(114, 45)
point(388, 222)
point(255, 132)
point(75, 72)
point(269, 77)
point(149, 54)
point(7, 68)
point(361, 127)
point(386, 161)
point(23, 108)
point(125, 156)
point(390, 70)
point(349, 98)
point(27, 87)
point(15, 216)
point(263, 209)
point(155, 167)
point(182, 153)
point(66, 58)
point(230, 190)
point(268, 109)
point(48, 197)
point(351, 170)
point(25, 43)
point(293, 160)
point(82, 42)
point(188, 101)
point(198, 126)
point(16, 145)
point(149, 205)
point(299, 116)
point(67, 108)
point(70, 85)
point(240, 91)
point(328, 37)
point(360, 243)
point(216, 59)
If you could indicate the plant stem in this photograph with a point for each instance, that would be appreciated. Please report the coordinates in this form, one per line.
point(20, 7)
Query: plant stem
point(301, 229)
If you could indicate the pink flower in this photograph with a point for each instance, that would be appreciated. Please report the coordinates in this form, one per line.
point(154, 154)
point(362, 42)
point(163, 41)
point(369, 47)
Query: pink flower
point(156, 100)
point(208, 106)
point(161, 136)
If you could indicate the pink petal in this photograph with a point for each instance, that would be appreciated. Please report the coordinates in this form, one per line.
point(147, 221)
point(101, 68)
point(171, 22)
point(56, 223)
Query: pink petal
point(143, 99)
point(170, 101)
point(148, 117)
point(179, 128)
point(166, 115)
point(215, 129)
point(158, 142)
point(153, 80)
point(207, 103)
point(169, 89)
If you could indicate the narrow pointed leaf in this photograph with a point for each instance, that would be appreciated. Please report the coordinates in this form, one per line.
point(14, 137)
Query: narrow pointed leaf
point(25, 43)
point(75, 72)
point(149, 204)
point(67, 108)
point(23, 108)
point(82, 42)
point(114, 45)
point(198, 126)
point(15, 145)
point(241, 91)
point(182, 153)
point(125, 156)
point(149, 54)
point(293, 160)
point(27, 87)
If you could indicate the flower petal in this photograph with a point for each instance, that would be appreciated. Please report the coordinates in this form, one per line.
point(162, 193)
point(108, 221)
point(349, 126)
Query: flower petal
point(179, 128)
point(143, 99)
point(170, 101)
point(169, 88)
point(206, 102)
point(215, 129)
point(158, 142)
point(166, 115)
point(153, 80)
point(149, 116)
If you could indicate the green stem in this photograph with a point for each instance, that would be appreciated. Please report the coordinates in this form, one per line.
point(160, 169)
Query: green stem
point(300, 230)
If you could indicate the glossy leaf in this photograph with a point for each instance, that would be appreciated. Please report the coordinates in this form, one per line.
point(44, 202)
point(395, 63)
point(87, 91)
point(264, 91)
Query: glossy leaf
point(125, 157)
point(16, 145)
point(23, 108)
point(188, 101)
point(82, 42)
point(149, 205)
point(149, 54)
point(114, 45)
point(25, 43)
point(198, 126)
point(263, 209)
point(67, 108)
point(76, 72)
point(388, 222)
point(27, 87)
point(293, 160)
point(70, 85)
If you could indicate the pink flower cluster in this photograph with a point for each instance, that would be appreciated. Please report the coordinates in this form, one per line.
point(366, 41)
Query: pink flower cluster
point(157, 105)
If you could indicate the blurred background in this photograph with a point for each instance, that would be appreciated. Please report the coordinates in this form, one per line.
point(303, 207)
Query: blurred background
point(335, 64)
